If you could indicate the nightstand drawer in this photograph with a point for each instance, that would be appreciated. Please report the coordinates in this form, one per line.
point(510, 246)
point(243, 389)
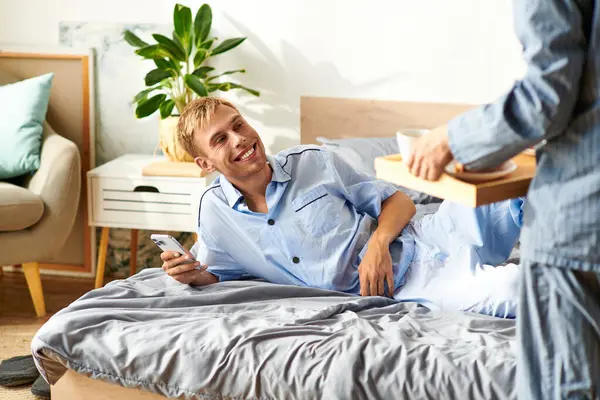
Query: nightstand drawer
point(146, 203)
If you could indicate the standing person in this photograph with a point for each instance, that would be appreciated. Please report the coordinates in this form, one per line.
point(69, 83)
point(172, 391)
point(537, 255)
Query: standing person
point(558, 100)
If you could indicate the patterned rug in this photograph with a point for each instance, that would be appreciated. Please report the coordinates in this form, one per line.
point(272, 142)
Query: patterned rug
point(148, 256)
point(16, 337)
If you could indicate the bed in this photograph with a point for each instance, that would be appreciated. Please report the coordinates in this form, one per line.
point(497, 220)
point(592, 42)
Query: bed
point(149, 337)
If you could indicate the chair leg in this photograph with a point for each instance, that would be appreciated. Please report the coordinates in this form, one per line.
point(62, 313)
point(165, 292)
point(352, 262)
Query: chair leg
point(34, 282)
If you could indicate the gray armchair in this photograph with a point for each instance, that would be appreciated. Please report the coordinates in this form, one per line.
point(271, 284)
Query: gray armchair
point(38, 213)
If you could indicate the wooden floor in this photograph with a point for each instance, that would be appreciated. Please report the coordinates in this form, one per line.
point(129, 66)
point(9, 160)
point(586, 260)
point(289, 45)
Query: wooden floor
point(59, 292)
point(18, 322)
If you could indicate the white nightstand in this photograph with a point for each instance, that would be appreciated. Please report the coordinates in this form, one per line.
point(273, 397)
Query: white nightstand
point(120, 196)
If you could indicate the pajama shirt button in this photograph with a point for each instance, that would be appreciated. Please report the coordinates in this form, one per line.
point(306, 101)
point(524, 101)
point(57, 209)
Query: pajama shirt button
point(296, 260)
point(271, 221)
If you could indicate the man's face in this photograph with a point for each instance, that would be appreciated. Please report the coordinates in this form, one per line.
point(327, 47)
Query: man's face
point(229, 145)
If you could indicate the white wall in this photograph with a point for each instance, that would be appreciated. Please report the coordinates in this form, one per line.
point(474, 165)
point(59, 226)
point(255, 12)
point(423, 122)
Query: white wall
point(423, 50)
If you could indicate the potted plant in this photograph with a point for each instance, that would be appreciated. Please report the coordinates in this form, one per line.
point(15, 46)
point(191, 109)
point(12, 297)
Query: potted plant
point(182, 72)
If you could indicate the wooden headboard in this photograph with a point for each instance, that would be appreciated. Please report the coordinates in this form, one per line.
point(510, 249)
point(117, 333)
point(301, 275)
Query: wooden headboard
point(338, 118)
point(71, 114)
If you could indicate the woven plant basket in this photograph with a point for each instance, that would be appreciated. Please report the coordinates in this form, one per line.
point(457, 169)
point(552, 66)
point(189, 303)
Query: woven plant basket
point(167, 131)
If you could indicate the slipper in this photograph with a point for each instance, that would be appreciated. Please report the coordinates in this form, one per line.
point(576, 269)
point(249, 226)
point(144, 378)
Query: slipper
point(41, 388)
point(18, 371)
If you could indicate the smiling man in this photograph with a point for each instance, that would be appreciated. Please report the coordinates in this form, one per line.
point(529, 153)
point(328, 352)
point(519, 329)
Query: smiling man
point(306, 217)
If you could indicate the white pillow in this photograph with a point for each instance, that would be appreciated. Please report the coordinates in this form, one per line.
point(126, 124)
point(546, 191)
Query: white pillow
point(362, 151)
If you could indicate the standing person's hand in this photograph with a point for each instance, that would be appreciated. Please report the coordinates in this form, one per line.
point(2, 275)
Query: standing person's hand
point(430, 154)
point(181, 269)
point(376, 268)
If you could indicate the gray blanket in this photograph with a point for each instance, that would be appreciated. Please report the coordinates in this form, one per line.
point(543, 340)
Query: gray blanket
point(256, 340)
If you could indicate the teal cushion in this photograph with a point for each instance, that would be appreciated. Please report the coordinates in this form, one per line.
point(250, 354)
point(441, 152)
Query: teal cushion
point(23, 107)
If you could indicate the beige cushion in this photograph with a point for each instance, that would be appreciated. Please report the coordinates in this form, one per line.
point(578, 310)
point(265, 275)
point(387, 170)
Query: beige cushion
point(19, 207)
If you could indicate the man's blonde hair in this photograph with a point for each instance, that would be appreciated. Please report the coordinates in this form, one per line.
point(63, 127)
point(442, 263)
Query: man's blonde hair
point(197, 115)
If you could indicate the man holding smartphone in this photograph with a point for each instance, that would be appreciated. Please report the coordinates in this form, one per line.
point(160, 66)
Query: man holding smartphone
point(306, 217)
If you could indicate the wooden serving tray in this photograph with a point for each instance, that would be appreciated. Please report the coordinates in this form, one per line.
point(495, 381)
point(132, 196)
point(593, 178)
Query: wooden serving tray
point(473, 194)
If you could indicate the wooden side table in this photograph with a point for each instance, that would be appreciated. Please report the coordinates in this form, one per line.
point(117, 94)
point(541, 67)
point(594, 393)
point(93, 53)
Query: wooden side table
point(121, 197)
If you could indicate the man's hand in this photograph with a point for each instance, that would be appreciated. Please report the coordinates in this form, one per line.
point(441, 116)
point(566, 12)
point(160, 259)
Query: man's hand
point(430, 155)
point(180, 269)
point(375, 269)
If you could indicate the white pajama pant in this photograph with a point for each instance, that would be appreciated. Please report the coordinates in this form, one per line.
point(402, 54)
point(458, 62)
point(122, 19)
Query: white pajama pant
point(457, 253)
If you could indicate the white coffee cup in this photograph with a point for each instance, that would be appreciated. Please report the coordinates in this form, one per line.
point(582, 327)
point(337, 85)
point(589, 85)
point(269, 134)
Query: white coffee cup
point(405, 139)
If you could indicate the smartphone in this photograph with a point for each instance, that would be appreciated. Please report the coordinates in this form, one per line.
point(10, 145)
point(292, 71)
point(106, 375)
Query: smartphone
point(169, 243)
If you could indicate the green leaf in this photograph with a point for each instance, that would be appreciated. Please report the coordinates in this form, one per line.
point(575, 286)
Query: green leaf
point(202, 71)
point(190, 46)
point(156, 75)
point(251, 91)
point(149, 106)
point(224, 87)
point(166, 108)
point(227, 45)
point(176, 49)
point(151, 52)
point(200, 57)
point(187, 50)
point(213, 87)
point(164, 51)
point(202, 23)
point(182, 19)
point(212, 78)
point(167, 63)
point(156, 51)
point(132, 39)
point(143, 95)
point(162, 63)
point(196, 85)
point(206, 45)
